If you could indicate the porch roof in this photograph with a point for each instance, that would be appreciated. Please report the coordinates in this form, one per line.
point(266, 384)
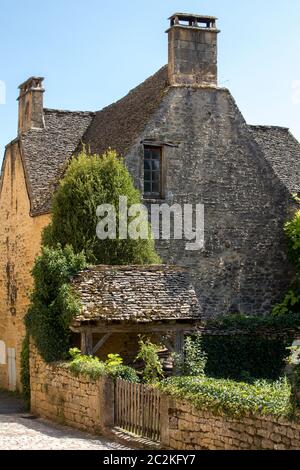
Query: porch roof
point(135, 295)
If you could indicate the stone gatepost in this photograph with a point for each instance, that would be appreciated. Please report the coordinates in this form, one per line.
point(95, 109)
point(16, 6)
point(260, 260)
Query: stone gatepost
point(106, 404)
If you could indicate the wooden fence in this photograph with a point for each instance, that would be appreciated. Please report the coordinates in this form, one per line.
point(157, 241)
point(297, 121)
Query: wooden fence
point(137, 409)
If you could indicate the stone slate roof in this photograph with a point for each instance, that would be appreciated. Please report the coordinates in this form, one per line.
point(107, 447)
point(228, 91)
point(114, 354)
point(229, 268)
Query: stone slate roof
point(45, 152)
point(282, 151)
point(135, 294)
point(120, 124)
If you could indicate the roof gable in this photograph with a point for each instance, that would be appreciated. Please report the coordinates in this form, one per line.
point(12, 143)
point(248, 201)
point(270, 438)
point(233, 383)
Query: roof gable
point(45, 152)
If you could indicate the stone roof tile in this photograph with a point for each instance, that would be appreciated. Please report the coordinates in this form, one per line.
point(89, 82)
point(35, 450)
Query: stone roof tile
point(46, 151)
point(282, 150)
point(136, 294)
point(120, 124)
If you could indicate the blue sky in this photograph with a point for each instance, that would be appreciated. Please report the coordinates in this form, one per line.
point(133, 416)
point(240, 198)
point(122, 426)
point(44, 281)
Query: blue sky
point(92, 52)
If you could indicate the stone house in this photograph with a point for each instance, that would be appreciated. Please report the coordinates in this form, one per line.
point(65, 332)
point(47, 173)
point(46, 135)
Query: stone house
point(185, 141)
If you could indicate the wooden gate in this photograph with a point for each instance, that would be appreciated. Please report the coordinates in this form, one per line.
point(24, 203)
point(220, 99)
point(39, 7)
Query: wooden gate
point(137, 409)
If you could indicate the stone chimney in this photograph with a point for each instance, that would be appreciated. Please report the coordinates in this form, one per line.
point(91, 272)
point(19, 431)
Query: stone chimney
point(31, 113)
point(192, 50)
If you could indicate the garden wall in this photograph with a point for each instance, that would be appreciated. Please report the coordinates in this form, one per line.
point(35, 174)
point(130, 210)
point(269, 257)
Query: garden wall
point(80, 402)
point(88, 404)
point(187, 428)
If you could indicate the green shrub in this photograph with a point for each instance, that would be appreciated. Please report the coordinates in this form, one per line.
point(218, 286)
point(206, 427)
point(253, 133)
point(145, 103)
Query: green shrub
point(148, 353)
point(53, 304)
point(232, 398)
point(192, 361)
point(93, 368)
point(92, 180)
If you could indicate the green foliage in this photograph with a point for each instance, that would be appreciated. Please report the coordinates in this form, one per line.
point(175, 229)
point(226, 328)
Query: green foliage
point(148, 353)
point(245, 356)
point(292, 231)
point(192, 361)
point(290, 304)
point(53, 304)
point(248, 351)
point(90, 181)
point(114, 360)
point(291, 301)
point(232, 398)
point(93, 368)
point(293, 374)
point(25, 372)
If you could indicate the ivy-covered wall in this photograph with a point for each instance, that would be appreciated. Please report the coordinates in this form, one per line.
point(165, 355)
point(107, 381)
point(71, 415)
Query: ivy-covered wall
point(246, 356)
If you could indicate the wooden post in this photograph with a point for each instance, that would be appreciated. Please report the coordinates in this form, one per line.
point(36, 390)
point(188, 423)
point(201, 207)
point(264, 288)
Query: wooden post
point(87, 342)
point(165, 403)
point(179, 345)
point(179, 342)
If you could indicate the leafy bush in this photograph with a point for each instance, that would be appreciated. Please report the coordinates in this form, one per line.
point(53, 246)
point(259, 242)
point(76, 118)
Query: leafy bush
point(148, 353)
point(192, 361)
point(89, 181)
point(93, 368)
point(232, 398)
point(53, 304)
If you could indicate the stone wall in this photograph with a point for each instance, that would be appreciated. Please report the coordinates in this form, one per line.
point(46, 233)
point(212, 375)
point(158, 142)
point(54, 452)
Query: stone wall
point(186, 428)
point(87, 404)
point(215, 161)
point(20, 236)
point(59, 396)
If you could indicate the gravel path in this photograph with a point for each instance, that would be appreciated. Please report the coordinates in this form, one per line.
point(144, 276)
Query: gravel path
point(19, 432)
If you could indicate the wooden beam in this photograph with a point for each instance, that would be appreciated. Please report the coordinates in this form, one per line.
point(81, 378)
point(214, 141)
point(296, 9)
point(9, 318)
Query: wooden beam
point(150, 327)
point(101, 342)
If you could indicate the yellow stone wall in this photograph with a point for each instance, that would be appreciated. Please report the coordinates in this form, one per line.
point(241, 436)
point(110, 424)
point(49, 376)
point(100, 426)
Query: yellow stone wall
point(80, 402)
point(20, 237)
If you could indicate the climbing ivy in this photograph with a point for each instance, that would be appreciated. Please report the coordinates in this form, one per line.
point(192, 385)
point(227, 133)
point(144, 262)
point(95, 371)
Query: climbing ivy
point(53, 304)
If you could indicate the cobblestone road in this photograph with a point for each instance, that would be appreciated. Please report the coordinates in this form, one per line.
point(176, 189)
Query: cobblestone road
point(19, 432)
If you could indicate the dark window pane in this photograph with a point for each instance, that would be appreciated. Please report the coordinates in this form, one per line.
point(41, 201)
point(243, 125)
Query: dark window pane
point(147, 153)
point(155, 154)
point(155, 175)
point(147, 175)
point(147, 164)
point(152, 170)
point(155, 187)
point(147, 187)
point(155, 164)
